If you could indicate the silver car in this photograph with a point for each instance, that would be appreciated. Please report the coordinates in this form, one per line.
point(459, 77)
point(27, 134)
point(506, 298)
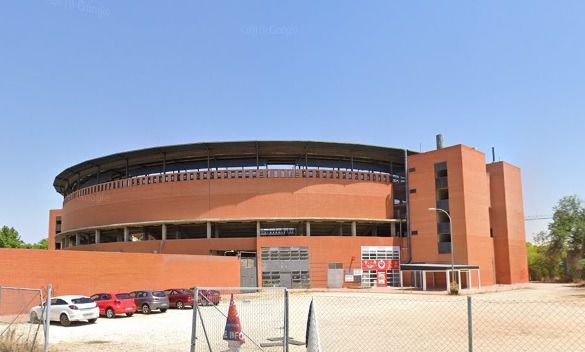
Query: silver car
point(147, 301)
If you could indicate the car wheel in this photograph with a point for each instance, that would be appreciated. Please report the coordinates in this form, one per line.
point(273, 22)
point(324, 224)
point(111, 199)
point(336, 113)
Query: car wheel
point(64, 320)
point(162, 310)
point(92, 321)
point(129, 314)
point(145, 309)
point(34, 318)
point(110, 313)
point(180, 305)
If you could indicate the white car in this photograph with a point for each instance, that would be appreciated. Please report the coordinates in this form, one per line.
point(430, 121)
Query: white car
point(66, 309)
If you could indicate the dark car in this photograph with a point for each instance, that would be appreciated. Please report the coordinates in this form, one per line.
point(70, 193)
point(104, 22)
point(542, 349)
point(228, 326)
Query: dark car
point(179, 298)
point(147, 301)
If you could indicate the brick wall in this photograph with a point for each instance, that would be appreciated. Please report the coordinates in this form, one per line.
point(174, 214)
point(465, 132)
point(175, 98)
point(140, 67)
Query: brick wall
point(75, 272)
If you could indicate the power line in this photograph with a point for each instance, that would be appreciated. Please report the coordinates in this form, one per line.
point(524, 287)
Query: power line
point(537, 217)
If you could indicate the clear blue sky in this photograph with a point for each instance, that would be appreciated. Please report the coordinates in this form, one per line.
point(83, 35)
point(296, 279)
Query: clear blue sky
point(82, 78)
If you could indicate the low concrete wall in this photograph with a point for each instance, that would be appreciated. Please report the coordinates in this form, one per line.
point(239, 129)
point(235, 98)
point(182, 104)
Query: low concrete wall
point(78, 272)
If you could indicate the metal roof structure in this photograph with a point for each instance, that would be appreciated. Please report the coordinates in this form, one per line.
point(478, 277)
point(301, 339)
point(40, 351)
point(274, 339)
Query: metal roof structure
point(230, 155)
point(436, 267)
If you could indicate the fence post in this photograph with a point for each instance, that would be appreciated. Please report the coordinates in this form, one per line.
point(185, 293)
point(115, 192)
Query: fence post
point(469, 325)
point(194, 324)
point(47, 318)
point(285, 337)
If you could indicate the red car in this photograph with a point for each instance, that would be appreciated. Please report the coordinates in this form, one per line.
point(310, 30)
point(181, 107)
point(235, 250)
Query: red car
point(111, 304)
point(207, 297)
point(179, 298)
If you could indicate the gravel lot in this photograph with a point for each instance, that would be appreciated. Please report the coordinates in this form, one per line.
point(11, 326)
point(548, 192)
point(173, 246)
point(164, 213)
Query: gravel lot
point(539, 317)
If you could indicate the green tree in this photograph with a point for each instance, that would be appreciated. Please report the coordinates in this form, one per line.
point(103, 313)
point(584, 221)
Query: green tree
point(42, 244)
point(9, 238)
point(565, 239)
point(542, 266)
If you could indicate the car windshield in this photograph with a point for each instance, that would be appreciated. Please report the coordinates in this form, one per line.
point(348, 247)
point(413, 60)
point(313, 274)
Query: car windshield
point(122, 296)
point(158, 294)
point(81, 300)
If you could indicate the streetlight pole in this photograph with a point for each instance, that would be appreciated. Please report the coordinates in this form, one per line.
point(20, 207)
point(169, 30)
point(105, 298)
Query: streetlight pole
point(450, 234)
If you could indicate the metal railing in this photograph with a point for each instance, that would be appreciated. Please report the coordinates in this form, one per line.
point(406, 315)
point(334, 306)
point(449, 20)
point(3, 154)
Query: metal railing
point(230, 174)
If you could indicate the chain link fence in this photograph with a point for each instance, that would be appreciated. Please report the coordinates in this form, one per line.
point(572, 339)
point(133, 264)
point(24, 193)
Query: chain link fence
point(352, 321)
point(246, 319)
point(512, 325)
point(23, 319)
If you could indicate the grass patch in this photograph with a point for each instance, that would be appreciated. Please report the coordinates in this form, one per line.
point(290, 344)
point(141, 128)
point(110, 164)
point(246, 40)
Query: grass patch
point(11, 341)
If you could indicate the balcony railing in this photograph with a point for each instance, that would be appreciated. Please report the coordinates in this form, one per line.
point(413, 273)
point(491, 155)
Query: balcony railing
point(230, 174)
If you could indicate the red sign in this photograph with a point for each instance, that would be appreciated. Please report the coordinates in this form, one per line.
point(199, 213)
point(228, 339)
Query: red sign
point(380, 264)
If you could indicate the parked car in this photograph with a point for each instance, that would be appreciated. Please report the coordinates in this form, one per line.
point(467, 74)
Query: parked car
point(207, 297)
point(66, 309)
point(147, 301)
point(111, 304)
point(179, 298)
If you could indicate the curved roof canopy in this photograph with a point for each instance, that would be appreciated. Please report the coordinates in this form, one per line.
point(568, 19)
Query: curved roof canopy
point(230, 155)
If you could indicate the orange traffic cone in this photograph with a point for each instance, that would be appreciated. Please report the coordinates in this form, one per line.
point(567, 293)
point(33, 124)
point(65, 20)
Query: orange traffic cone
point(233, 328)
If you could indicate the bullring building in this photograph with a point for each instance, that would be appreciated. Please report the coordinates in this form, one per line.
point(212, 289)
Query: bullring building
point(304, 214)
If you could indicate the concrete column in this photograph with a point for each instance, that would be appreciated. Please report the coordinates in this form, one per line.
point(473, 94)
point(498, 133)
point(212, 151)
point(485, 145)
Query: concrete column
point(424, 280)
point(97, 236)
point(208, 229)
point(308, 230)
point(164, 232)
point(353, 228)
point(77, 239)
point(393, 229)
point(478, 279)
point(257, 228)
point(448, 279)
point(216, 231)
point(126, 234)
point(401, 279)
point(340, 229)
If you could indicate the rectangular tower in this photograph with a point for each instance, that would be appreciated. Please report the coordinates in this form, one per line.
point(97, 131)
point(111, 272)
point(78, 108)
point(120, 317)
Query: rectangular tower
point(453, 179)
point(507, 223)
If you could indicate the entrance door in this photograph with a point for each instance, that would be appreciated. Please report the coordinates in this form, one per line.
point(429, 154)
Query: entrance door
point(334, 278)
point(286, 279)
point(248, 272)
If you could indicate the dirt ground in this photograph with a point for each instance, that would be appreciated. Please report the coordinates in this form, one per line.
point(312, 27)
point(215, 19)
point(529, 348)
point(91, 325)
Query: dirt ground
point(536, 317)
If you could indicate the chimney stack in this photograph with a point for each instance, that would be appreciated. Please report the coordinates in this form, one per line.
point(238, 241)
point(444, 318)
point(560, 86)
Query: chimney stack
point(493, 155)
point(439, 141)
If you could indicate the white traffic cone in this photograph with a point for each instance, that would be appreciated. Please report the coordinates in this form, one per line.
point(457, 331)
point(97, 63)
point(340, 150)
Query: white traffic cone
point(312, 341)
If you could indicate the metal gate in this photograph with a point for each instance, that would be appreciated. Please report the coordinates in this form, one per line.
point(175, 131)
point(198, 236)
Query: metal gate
point(334, 278)
point(248, 272)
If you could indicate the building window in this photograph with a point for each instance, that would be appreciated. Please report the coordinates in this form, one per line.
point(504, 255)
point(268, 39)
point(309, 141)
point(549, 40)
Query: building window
point(335, 266)
point(412, 169)
point(414, 232)
point(412, 190)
